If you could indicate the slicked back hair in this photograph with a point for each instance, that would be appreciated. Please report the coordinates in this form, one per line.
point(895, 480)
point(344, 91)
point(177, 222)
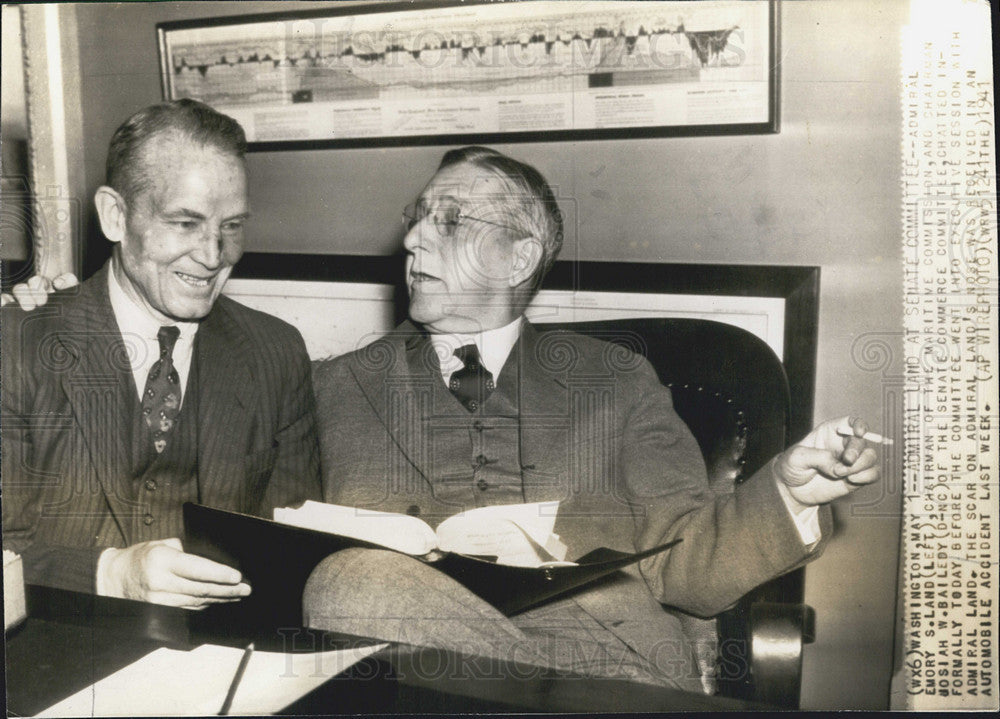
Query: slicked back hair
point(190, 120)
point(530, 204)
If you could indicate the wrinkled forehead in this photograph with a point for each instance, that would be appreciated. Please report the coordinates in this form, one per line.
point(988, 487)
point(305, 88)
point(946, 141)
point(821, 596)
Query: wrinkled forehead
point(469, 184)
point(169, 161)
point(170, 151)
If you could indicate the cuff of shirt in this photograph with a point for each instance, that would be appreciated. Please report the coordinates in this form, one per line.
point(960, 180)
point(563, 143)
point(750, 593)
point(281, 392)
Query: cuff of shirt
point(101, 581)
point(806, 518)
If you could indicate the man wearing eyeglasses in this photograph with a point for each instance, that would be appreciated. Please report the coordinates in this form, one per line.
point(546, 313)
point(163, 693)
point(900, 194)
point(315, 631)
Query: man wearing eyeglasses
point(465, 405)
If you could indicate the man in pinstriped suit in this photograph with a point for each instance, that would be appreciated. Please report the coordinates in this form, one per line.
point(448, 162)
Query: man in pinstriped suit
point(143, 388)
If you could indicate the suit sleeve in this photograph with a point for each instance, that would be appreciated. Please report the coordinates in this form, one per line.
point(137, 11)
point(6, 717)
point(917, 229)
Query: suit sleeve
point(732, 542)
point(295, 476)
point(66, 566)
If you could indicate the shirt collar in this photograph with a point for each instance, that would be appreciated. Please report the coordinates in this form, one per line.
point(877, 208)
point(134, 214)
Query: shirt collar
point(494, 346)
point(135, 319)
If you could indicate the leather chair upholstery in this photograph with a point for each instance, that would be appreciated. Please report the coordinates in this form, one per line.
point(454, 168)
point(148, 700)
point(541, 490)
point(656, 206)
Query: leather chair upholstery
point(730, 389)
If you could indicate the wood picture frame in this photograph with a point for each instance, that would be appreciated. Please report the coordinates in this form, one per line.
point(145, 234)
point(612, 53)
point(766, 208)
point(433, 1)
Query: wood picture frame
point(394, 74)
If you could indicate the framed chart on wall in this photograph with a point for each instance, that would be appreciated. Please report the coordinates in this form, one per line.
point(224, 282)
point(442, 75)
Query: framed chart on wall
point(458, 73)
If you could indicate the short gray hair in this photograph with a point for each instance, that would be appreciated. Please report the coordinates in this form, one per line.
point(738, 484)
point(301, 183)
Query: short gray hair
point(195, 121)
point(532, 202)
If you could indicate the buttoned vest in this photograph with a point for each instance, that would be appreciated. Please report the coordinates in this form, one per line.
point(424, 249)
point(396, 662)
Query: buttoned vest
point(159, 484)
point(473, 457)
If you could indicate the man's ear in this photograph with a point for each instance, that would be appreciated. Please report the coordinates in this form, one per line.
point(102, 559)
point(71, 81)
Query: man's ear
point(527, 257)
point(111, 212)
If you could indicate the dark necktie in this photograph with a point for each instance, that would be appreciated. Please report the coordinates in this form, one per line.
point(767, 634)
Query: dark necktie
point(161, 400)
point(472, 384)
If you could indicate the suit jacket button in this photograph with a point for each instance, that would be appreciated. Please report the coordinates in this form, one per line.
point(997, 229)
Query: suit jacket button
point(482, 485)
point(147, 520)
point(150, 485)
point(413, 510)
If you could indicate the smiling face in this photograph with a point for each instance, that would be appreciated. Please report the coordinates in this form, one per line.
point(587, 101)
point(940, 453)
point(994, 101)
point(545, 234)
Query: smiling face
point(462, 276)
point(180, 237)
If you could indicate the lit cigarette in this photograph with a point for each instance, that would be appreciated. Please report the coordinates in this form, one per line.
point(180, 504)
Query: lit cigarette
point(845, 430)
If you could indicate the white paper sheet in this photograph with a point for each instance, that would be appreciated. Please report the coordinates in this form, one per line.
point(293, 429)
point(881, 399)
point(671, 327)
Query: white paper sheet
point(169, 682)
point(395, 531)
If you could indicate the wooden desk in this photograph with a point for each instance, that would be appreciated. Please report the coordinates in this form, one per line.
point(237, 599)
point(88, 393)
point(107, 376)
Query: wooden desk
point(71, 640)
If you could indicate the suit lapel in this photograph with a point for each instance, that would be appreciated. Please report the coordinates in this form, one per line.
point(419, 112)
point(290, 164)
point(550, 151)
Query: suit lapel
point(396, 375)
point(226, 404)
point(543, 416)
point(99, 388)
point(399, 376)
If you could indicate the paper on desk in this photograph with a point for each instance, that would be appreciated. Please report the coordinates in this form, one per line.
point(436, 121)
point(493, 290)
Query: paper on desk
point(168, 682)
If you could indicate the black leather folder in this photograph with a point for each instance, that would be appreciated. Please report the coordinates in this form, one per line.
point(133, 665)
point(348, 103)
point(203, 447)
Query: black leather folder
point(276, 560)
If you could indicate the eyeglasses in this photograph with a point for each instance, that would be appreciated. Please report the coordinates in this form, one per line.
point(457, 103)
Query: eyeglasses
point(446, 217)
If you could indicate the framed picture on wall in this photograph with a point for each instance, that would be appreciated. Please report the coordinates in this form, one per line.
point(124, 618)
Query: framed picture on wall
point(450, 73)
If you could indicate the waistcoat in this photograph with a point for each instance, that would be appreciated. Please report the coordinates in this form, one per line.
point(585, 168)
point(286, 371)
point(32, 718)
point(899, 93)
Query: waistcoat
point(474, 457)
point(159, 484)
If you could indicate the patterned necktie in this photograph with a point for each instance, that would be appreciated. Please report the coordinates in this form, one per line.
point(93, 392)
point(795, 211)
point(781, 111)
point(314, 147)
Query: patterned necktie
point(472, 384)
point(161, 400)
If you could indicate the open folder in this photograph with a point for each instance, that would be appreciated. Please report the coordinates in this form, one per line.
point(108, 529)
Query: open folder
point(277, 559)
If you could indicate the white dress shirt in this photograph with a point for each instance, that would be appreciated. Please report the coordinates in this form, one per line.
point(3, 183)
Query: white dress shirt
point(138, 328)
point(806, 519)
point(495, 347)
